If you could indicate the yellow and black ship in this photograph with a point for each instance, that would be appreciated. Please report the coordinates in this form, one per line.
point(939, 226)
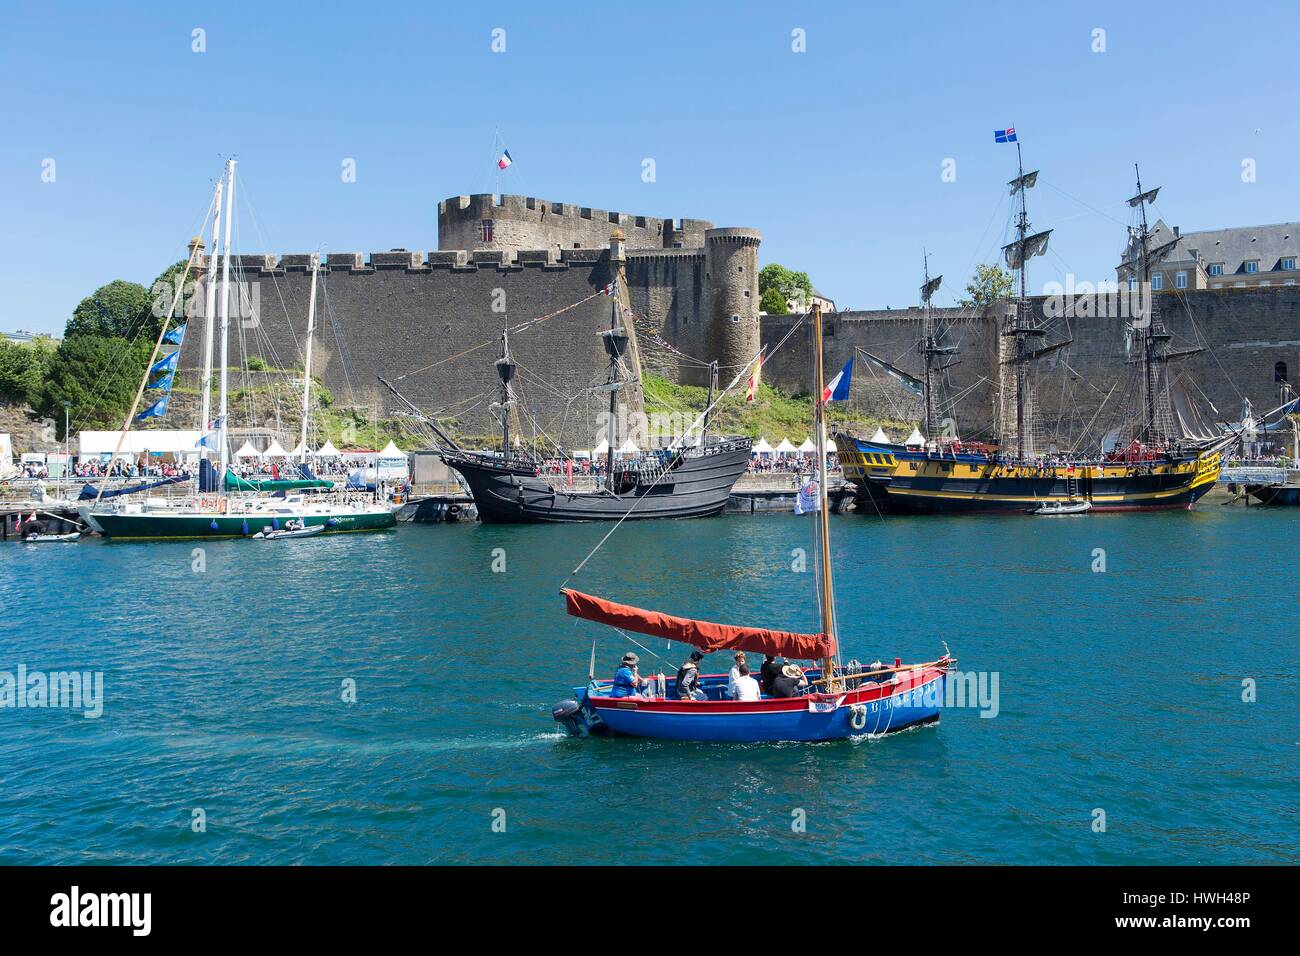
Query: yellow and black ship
point(913, 480)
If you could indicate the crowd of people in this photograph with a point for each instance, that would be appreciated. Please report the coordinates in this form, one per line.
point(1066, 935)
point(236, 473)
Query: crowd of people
point(776, 678)
point(798, 464)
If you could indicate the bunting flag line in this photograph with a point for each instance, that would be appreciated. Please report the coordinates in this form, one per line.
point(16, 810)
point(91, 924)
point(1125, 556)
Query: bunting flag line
point(165, 364)
point(163, 384)
point(157, 410)
point(176, 336)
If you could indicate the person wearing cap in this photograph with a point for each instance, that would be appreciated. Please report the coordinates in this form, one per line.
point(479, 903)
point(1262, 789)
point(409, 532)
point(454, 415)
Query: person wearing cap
point(735, 674)
point(688, 679)
point(790, 682)
point(627, 682)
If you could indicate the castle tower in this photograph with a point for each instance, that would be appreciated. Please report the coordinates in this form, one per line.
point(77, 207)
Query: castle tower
point(731, 329)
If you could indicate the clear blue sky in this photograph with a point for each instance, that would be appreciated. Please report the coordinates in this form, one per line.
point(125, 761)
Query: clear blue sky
point(834, 153)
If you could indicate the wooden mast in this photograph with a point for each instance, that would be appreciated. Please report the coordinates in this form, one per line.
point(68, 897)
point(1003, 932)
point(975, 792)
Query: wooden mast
point(823, 525)
point(306, 374)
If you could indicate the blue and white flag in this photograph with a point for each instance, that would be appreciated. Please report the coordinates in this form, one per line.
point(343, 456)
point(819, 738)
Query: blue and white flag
point(1007, 135)
point(163, 384)
point(837, 389)
point(210, 440)
point(176, 336)
point(157, 410)
point(166, 364)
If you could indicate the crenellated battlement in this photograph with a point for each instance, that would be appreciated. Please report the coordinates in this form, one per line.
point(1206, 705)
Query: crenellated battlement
point(407, 260)
point(511, 223)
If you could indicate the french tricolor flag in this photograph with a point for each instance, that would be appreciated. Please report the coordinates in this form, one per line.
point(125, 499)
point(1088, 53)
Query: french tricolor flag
point(505, 160)
point(837, 389)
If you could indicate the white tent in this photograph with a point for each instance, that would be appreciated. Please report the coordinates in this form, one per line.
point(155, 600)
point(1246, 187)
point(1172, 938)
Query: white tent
point(246, 450)
point(299, 450)
point(391, 463)
point(602, 448)
point(831, 446)
point(762, 447)
point(785, 448)
point(807, 446)
point(276, 450)
point(915, 438)
point(629, 448)
point(326, 450)
point(880, 436)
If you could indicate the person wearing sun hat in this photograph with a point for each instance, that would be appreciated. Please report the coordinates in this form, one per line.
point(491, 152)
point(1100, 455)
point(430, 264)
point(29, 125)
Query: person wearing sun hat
point(790, 682)
point(627, 682)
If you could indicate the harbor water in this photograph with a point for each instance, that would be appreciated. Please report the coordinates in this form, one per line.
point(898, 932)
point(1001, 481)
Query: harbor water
point(386, 698)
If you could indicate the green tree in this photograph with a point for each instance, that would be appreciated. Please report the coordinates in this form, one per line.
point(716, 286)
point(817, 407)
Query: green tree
point(773, 302)
point(787, 284)
point(99, 375)
point(161, 293)
point(990, 283)
point(120, 309)
point(23, 369)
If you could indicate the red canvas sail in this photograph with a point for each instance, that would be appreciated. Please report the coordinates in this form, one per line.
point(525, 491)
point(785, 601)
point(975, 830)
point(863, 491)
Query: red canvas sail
point(703, 634)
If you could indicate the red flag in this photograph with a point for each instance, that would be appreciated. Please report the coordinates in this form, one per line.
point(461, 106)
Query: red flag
point(752, 389)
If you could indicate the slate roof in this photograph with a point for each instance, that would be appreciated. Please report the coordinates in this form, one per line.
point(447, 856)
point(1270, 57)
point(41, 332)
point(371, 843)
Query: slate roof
point(1233, 247)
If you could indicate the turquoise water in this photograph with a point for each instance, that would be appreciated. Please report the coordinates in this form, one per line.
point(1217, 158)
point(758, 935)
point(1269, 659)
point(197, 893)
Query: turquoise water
point(1119, 691)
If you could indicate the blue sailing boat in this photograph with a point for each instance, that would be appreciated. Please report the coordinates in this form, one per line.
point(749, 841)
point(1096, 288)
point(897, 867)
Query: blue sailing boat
point(839, 702)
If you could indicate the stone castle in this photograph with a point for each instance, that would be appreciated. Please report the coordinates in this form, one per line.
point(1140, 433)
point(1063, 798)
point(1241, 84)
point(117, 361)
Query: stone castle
point(432, 323)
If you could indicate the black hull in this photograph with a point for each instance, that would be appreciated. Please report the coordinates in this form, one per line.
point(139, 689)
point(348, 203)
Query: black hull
point(1279, 495)
point(698, 488)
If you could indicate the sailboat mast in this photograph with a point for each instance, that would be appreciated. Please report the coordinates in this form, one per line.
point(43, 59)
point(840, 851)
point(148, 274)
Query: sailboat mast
point(614, 350)
point(306, 373)
point(927, 331)
point(1022, 227)
point(506, 372)
point(1148, 341)
point(225, 326)
point(708, 406)
point(823, 525)
point(209, 314)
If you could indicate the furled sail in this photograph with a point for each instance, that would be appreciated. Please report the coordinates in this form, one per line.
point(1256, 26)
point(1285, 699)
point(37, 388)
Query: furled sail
point(702, 634)
point(89, 492)
point(909, 382)
point(1017, 252)
point(1191, 421)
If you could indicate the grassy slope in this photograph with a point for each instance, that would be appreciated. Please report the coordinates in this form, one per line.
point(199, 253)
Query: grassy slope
point(773, 414)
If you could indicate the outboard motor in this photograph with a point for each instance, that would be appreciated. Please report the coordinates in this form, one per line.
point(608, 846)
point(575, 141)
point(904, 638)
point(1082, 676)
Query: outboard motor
point(569, 713)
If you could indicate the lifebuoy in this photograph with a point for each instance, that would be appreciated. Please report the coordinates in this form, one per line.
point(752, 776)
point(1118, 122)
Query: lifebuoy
point(858, 716)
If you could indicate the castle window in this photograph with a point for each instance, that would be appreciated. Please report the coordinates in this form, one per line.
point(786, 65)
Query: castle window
point(1252, 266)
point(1279, 372)
point(1216, 268)
point(487, 230)
point(1157, 282)
point(735, 317)
point(1180, 280)
point(1288, 264)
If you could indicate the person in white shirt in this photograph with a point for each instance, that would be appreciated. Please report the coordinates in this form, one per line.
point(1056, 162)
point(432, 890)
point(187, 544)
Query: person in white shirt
point(734, 675)
point(746, 686)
